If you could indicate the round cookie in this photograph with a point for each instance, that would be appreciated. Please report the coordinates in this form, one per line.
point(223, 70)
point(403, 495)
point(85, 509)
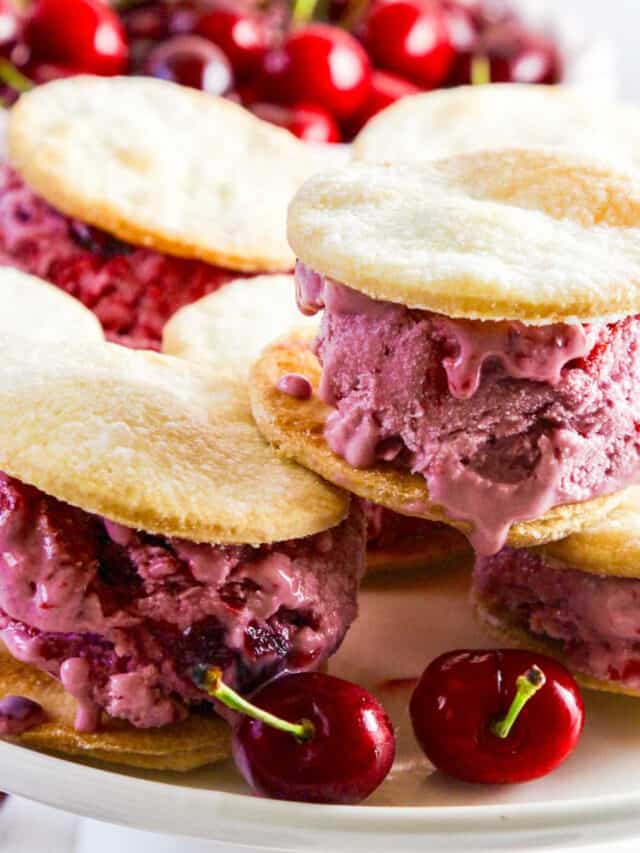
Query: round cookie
point(153, 443)
point(538, 236)
point(182, 746)
point(232, 326)
point(164, 166)
point(610, 546)
point(33, 308)
point(296, 428)
point(440, 124)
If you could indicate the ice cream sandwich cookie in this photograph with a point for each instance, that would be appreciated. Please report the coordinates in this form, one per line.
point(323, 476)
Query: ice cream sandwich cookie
point(478, 358)
point(228, 330)
point(138, 196)
point(146, 527)
point(577, 599)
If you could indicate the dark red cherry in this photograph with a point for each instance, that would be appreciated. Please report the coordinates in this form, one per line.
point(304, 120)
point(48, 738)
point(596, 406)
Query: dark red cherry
point(386, 89)
point(496, 716)
point(306, 121)
point(319, 64)
point(191, 61)
point(83, 34)
point(239, 34)
point(308, 737)
point(411, 38)
point(347, 757)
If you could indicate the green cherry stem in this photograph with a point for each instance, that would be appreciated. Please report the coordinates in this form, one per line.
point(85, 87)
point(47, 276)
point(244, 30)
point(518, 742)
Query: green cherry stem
point(304, 10)
point(13, 78)
point(210, 680)
point(480, 71)
point(527, 686)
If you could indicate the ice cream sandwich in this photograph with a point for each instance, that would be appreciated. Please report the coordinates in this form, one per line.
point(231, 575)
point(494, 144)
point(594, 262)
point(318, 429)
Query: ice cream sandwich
point(228, 330)
point(478, 359)
point(138, 196)
point(577, 599)
point(145, 528)
point(433, 125)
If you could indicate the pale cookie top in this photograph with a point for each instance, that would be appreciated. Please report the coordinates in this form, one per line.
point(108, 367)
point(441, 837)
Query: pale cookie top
point(610, 546)
point(33, 308)
point(165, 166)
point(535, 235)
point(151, 442)
point(232, 326)
point(440, 124)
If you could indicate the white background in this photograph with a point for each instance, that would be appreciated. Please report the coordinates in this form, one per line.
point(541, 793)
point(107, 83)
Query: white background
point(27, 828)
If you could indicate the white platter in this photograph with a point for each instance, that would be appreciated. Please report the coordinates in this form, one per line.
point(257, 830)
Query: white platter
point(404, 623)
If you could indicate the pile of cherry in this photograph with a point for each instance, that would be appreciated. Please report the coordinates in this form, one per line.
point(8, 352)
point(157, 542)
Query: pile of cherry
point(320, 68)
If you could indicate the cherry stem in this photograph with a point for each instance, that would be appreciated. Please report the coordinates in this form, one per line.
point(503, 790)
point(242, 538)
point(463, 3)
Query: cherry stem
point(480, 71)
point(13, 78)
point(210, 680)
point(527, 686)
point(303, 10)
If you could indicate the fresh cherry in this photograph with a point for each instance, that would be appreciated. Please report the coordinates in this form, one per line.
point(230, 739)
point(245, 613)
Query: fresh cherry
point(306, 121)
point(191, 61)
point(319, 64)
point(84, 34)
point(240, 35)
point(496, 716)
point(10, 28)
point(386, 88)
point(515, 55)
point(315, 738)
point(411, 37)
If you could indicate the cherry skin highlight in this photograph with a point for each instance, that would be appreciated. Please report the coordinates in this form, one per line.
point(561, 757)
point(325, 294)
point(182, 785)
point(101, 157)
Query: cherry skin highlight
point(346, 758)
point(462, 695)
point(83, 34)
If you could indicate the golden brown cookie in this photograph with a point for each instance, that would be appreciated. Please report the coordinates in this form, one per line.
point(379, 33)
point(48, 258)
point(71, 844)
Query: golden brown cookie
point(610, 546)
point(164, 166)
point(153, 443)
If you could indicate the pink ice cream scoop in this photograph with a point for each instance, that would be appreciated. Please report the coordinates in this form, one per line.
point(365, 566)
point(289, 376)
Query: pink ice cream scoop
point(504, 420)
point(122, 617)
